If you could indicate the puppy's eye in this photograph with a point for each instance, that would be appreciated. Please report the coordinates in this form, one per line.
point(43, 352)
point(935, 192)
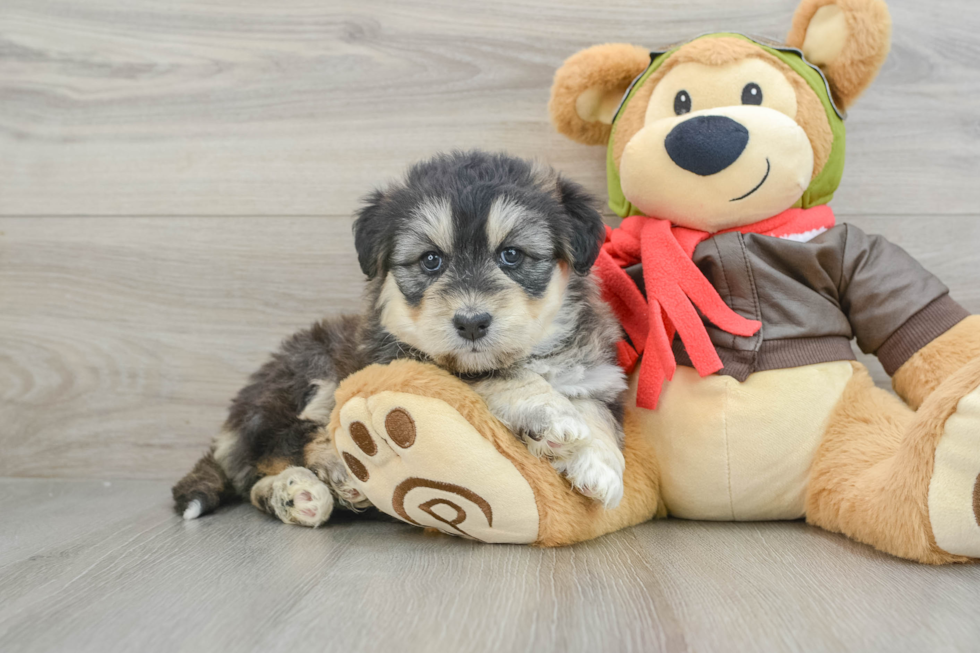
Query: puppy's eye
point(682, 103)
point(431, 261)
point(752, 94)
point(511, 257)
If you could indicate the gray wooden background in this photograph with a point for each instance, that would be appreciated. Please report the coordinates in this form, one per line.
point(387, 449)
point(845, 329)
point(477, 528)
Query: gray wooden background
point(177, 179)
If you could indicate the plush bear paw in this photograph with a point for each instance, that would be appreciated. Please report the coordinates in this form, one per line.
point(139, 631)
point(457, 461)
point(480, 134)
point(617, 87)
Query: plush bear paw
point(954, 489)
point(418, 459)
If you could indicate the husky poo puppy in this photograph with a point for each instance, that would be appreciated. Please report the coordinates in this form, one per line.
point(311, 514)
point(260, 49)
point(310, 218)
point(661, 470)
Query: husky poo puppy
point(478, 263)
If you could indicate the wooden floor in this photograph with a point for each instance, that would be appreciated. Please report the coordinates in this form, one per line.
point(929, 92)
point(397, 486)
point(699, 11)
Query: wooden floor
point(176, 185)
point(109, 568)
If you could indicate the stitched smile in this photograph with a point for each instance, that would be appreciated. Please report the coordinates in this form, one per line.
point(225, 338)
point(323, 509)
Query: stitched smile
point(768, 169)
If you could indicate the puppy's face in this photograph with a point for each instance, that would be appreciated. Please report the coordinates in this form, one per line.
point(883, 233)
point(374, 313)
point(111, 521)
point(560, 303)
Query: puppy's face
point(473, 291)
point(473, 264)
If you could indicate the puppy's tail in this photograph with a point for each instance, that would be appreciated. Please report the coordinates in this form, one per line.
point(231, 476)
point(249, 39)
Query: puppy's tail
point(203, 489)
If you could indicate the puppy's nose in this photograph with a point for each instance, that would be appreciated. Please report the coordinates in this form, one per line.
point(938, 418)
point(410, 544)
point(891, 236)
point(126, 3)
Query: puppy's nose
point(472, 327)
point(706, 145)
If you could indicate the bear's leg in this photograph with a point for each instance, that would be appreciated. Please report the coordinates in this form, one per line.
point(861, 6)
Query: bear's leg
point(423, 447)
point(904, 482)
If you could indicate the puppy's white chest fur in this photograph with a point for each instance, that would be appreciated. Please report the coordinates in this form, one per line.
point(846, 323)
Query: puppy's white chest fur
point(579, 381)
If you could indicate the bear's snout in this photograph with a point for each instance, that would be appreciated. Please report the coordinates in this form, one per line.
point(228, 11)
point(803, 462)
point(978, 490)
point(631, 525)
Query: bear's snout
point(706, 145)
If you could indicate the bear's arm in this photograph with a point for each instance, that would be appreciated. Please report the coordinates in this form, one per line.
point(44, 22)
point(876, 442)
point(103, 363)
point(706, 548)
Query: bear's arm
point(927, 368)
point(895, 306)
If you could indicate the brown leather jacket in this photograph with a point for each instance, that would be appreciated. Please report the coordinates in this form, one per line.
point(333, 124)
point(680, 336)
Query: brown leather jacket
point(814, 297)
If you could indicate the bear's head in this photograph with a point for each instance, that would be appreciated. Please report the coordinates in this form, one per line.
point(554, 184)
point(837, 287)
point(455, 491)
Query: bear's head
point(725, 130)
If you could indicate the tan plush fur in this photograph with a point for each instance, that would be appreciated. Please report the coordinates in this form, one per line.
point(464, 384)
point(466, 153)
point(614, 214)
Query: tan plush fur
point(934, 363)
point(810, 115)
point(722, 51)
point(610, 68)
point(565, 516)
point(869, 40)
point(870, 478)
point(633, 115)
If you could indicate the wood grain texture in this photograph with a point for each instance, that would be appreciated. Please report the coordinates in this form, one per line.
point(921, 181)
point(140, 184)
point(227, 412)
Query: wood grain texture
point(294, 107)
point(129, 575)
point(123, 339)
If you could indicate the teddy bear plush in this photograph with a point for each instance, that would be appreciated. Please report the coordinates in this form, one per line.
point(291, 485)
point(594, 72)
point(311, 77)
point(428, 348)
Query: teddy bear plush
point(739, 294)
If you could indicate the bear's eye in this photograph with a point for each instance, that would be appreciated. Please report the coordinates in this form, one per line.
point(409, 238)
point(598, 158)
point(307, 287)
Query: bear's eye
point(751, 94)
point(682, 103)
point(431, 261)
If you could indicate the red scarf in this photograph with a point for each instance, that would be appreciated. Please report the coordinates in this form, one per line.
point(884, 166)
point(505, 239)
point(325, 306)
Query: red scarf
point(674, 287)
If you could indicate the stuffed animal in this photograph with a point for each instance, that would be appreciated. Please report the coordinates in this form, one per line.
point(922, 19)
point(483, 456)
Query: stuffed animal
point(739, 295)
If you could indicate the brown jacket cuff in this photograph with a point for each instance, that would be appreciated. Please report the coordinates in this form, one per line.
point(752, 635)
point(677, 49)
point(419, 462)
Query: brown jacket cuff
point(922, 328)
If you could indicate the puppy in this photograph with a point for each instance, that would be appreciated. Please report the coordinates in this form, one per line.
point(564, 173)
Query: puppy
point(478, 263)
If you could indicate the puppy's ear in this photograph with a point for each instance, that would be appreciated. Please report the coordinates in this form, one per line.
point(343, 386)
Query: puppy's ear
point(372, 230)
point(588, 87)
point(586, 231)
point(848, 39)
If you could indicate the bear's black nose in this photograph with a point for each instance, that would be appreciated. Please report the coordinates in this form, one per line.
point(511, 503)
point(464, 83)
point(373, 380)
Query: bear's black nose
point(472, 327)
point(706, 145)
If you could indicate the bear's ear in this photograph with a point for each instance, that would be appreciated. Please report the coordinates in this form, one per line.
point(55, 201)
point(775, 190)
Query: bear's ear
point(589, 86)
point(848, 39)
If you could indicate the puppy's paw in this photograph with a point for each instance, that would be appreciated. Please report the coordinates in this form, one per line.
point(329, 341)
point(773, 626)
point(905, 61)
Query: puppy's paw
point(299, 497)
point(334, 474)
point(554, 431)
point(596, 471)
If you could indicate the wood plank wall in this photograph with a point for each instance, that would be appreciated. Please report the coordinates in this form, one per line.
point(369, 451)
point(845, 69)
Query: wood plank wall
point(177, 179)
